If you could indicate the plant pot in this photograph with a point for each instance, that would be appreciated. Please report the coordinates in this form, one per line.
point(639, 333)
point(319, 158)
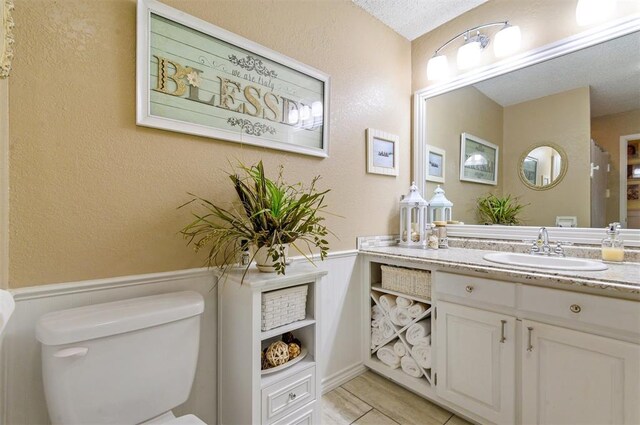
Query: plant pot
point(264, 262)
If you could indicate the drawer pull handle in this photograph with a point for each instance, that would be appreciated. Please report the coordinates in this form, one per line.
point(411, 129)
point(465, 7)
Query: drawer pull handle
point(292, 396)
point(503, 323)
point(469, 289)
point(530, 345)
point(575, 308)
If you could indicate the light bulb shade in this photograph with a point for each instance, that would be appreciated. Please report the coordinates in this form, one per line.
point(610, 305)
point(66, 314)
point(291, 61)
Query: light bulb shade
point(507, 41)
point(437, 68)
point(469, 54)
point(592, 11)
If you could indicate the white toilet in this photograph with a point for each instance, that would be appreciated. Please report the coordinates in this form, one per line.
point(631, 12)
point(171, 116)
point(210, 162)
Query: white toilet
point(126, 362)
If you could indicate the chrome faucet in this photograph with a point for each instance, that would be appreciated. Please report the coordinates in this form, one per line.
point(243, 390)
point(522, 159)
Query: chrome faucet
point(541, 246)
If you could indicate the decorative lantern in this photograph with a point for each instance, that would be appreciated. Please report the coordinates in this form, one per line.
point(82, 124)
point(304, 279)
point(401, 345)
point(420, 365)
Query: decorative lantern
point(413, 209)
point(439, 207)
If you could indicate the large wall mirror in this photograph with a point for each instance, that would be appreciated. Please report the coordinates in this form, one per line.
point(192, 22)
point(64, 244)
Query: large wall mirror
point(560, 125)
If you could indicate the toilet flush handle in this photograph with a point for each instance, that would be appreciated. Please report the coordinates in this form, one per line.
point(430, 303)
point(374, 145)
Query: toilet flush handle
point(72, 352)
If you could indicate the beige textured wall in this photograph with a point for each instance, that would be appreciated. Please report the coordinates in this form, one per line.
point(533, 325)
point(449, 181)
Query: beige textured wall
point(562, 119)
point(464, 110)
point(541, 22)
point(606, 131)
point(93, 195)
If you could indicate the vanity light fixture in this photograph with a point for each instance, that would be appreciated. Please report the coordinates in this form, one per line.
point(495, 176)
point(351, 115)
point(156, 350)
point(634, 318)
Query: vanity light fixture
point(592, 11)
point(507, 41)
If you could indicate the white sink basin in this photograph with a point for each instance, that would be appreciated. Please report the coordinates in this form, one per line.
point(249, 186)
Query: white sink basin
point(544, 262)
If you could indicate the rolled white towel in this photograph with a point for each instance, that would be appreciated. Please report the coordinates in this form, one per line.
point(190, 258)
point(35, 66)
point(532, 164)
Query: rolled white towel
point(400, 349)
point(418, 330)
point(387, 302)
point(375, 309)
point(375, 323)
point(425, 340)
point(388, 357)
point(376, 338)
point(400, 316)
point(410, 367)
point(403, 302)
point(416, 310)
point(422, 355)
point(386, 328)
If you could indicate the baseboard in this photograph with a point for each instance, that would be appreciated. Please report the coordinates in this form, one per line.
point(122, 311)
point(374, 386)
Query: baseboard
point(334, 381)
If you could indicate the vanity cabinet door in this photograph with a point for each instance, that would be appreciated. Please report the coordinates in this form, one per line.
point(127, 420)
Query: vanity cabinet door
point(476, 361)
point(571, 377)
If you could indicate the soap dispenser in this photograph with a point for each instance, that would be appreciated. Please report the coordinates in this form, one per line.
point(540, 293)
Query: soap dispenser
point(613, 245)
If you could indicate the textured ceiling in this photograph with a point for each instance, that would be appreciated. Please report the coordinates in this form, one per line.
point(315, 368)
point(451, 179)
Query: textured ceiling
point(611, 69)
point(412, 18)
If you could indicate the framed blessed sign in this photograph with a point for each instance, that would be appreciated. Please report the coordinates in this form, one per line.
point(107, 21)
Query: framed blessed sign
point(196, 78)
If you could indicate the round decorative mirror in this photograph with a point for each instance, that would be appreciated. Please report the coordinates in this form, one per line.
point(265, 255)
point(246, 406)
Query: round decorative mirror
point(542, 166)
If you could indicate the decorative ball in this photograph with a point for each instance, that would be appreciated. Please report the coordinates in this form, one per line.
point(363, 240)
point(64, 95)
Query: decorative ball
point(277, 353)
point(294, 350)
point(287, 338)
point(265, 364)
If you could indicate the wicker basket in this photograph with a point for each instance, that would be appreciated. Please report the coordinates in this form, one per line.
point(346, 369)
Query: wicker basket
point(407, 281)
point(283, 306)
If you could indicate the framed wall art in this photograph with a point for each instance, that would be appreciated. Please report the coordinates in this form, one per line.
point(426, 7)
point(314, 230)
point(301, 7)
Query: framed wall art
point(435, 164)
point(382, 152)
point(194, 77)
point(530, 170)
point(478, 160)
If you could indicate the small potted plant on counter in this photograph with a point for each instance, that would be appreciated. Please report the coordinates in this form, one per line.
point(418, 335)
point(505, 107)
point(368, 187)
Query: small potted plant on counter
point(492, 209)
point(271, 216)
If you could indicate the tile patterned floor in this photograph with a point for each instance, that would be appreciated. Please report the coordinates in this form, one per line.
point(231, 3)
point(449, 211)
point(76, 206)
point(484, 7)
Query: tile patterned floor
point(370, 399)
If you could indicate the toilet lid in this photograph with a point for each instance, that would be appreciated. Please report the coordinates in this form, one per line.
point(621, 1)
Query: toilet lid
point(185, 420)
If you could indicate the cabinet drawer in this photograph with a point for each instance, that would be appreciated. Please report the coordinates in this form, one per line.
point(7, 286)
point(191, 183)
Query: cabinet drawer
point(285, 396)
point(592, 309)
point(476, 289)
point(303, 416)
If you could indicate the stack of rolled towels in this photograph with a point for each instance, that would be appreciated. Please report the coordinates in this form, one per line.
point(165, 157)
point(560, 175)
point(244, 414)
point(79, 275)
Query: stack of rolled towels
point(411, 356)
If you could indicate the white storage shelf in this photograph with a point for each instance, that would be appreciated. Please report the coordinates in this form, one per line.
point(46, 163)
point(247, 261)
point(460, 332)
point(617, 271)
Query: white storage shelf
point(245, 394)
point(376, 291)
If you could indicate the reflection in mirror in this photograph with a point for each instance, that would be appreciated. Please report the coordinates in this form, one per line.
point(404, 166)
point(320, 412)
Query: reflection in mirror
point(543, 167)
point(580, 105)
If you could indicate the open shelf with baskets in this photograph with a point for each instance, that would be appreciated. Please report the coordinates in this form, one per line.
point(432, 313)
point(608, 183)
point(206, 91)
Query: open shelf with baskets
point(399, 337)
point(268, 346)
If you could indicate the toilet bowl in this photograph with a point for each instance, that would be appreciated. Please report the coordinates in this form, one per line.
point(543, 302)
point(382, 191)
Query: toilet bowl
point(124, 362)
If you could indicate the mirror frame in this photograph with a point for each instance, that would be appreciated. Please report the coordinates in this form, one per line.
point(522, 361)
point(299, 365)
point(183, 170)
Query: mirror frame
point(563, 167)
point(591, 37)
point(6, 37)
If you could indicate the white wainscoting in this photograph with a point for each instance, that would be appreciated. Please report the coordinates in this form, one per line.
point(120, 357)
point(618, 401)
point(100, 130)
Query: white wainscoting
point(24, 403)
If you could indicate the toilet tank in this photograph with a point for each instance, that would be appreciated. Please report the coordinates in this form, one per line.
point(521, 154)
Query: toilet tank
point(121, 362)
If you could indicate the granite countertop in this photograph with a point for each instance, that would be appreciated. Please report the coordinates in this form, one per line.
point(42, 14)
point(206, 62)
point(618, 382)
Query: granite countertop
point(619, 280)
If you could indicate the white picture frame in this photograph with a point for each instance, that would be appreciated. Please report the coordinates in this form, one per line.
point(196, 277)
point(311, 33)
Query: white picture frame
point(478, 160)
point(196, 78)
point(435, 164)
point(382, 152)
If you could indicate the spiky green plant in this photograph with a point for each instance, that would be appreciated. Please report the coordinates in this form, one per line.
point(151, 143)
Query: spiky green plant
point(271, 213)
point(499, 210)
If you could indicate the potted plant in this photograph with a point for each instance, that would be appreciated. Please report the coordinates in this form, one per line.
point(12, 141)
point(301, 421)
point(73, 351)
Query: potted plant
point(492, 209)
point(271, 215)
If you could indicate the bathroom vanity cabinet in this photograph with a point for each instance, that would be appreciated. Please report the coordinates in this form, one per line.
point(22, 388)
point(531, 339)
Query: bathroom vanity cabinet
point(246, 394)
point(509, 352)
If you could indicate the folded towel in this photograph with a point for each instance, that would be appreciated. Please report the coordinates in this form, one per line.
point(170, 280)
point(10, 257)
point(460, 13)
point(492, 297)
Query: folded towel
point(403, 302)
point(410, 367)
point(399, 316)
point(388, 357)
point(375, 309)
point(422, 355)
point(400, 349)
point(376, 338)
point(387, 302)
point(386, 328)
point(416, 310)
point(418, 330)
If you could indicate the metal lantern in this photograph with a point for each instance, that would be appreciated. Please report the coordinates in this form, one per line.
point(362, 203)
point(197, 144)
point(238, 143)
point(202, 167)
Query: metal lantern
point(440, 207)
point(413, 210)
